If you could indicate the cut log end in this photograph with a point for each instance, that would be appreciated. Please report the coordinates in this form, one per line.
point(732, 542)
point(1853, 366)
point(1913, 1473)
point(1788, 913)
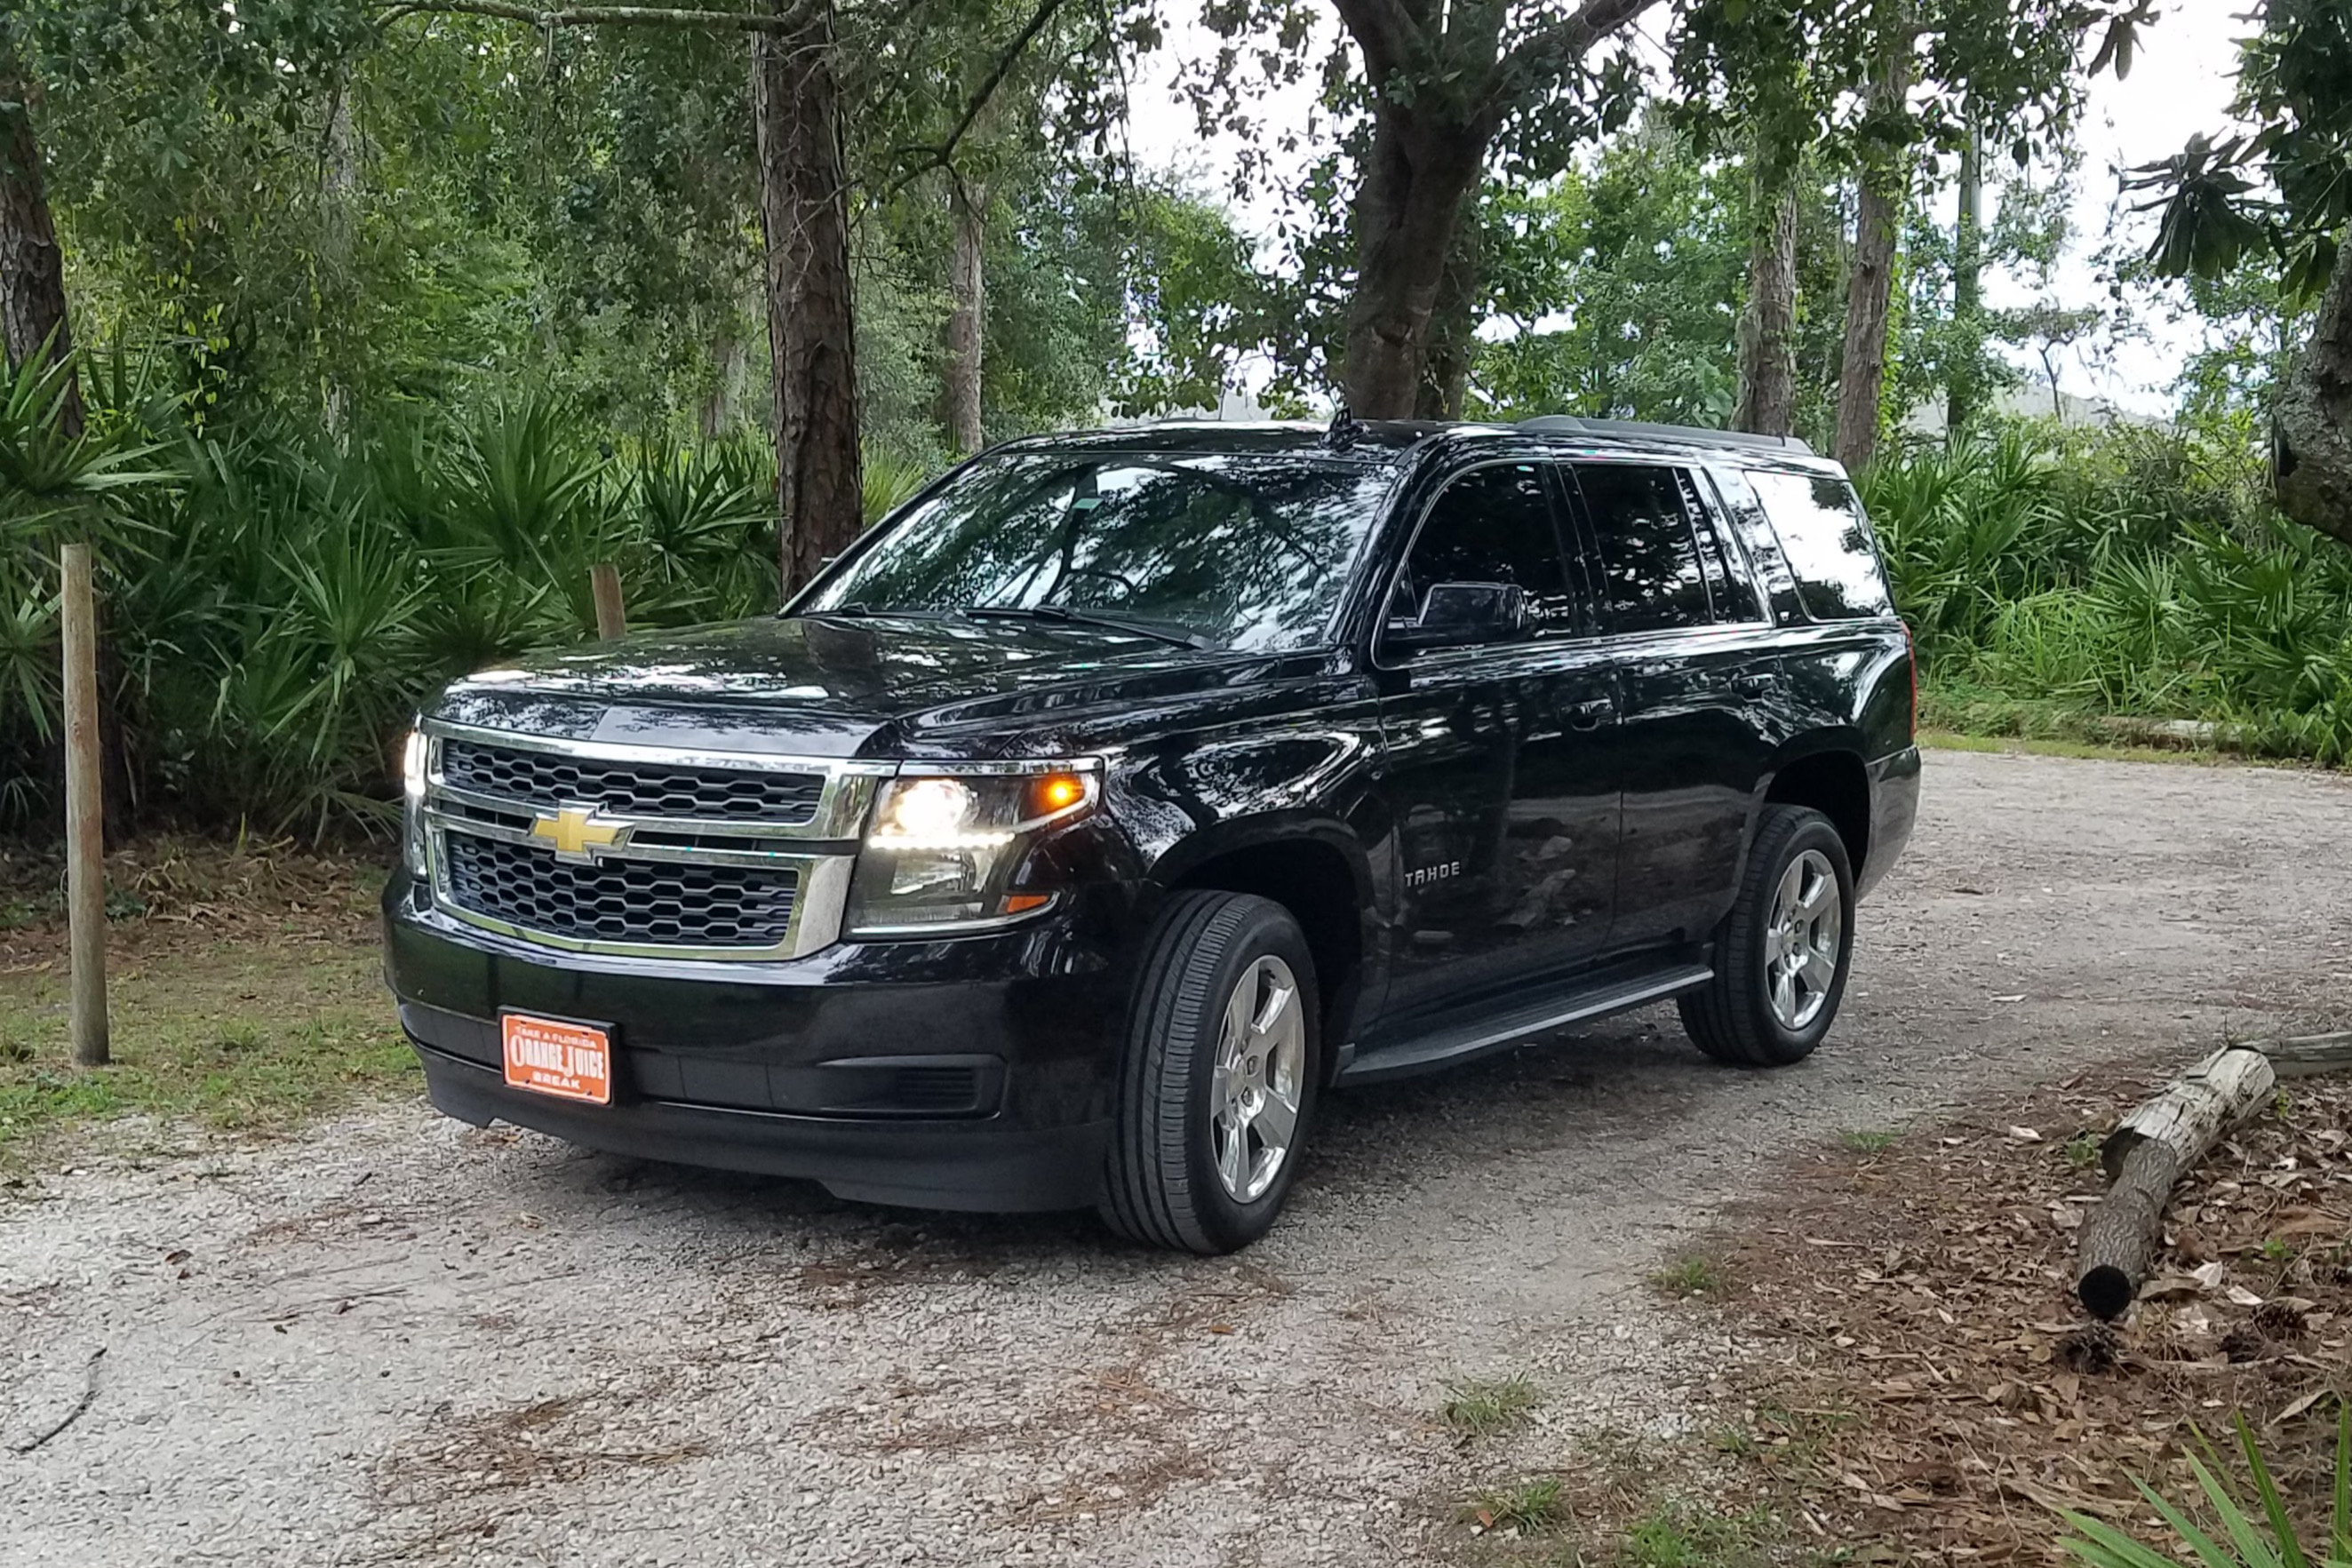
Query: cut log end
point(2107, 1290)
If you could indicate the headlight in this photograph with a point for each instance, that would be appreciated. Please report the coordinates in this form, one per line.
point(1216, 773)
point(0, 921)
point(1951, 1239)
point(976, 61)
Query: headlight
point(412, 752)
point(947, 850)
point(412, 765)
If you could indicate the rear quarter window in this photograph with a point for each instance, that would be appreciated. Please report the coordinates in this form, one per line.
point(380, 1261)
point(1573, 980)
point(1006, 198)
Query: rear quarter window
point(1826, 543)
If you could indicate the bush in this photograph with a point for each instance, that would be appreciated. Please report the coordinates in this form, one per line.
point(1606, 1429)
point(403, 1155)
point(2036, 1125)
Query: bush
point(2125, 571)
point(277, 602)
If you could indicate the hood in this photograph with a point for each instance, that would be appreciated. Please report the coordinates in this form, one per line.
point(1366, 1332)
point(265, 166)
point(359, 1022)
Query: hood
point(827, 686)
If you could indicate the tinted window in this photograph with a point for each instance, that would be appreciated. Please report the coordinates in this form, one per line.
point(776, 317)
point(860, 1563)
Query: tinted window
point(1493, 525)
point(1648, 555)
point(1827, 543)
point(1251, 551)
point(1727, 581)
point(1746, 515)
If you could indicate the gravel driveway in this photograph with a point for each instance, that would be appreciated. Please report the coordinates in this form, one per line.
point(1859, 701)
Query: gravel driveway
point(405, 1341)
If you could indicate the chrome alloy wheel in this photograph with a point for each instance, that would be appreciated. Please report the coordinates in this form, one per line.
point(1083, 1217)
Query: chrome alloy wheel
point(1801, 944)
point(1260, 1076)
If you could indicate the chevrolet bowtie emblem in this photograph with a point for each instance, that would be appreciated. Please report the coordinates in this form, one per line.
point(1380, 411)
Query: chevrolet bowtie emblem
point(576, 832)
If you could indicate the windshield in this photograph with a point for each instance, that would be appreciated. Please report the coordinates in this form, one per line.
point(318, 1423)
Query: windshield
point(1244, 552)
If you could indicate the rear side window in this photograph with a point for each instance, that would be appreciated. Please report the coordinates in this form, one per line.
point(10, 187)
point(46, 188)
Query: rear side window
point(1649, 556)
point(1493, 525)
point(1727, 582)
point(1827, 544)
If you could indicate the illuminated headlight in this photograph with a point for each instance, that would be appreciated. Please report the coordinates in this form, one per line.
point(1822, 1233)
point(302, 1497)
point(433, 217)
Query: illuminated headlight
point(950, 851)
point(412, 765)
point(412, 753)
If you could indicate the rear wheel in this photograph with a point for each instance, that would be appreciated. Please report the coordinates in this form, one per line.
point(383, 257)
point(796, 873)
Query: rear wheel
point(1781, 956)
point(1218, 1078)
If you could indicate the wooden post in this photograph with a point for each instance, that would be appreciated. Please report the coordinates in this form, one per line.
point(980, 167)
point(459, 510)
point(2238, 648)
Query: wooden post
point(604, 581)
point(85, 816)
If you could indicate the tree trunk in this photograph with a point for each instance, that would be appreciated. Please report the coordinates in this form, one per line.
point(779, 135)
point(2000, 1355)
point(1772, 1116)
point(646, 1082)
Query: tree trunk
point(1406, 215)
point(1452, 329)
point(1870, 292)
point(2147, 1152)
point(967, 314)
point(812, 338)
point(2311, 439)
point(1968, 290)
point(32, 266)
point(1768, 327)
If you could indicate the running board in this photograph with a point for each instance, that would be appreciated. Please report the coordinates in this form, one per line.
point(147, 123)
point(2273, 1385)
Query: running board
point(1460, 1040)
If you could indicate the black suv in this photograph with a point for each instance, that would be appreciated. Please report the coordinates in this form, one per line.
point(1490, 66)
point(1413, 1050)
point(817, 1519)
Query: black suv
point(1123, 791)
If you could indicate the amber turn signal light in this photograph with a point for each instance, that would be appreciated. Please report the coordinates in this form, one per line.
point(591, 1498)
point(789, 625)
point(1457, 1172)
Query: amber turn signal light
point(1051, 794)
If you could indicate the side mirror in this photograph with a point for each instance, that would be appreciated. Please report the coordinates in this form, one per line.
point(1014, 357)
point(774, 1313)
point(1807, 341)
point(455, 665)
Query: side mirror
point(1463, 614)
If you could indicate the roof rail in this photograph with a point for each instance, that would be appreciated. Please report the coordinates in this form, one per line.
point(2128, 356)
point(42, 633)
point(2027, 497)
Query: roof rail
point(1571, 425)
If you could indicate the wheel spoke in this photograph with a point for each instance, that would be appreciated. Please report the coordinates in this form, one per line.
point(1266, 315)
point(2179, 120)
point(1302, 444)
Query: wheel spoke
point(1784, 995)
point(1791, 892)
point(1277, 1120)
point(1234, 1041)
point(1819, 970)
point(1233, 1160)
point(1278, 1000)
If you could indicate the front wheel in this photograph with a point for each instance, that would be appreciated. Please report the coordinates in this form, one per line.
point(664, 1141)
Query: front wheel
point(1781, 958)
point(1217, 1078)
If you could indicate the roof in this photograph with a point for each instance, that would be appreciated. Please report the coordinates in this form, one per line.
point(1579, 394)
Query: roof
point(1383, 440)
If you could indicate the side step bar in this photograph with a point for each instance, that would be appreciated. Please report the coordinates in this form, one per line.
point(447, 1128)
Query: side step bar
point(1461, 1039)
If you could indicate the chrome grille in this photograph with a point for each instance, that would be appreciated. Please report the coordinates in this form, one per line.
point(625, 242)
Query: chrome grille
point(635, 788)
point(641, 851)
point(641, 901)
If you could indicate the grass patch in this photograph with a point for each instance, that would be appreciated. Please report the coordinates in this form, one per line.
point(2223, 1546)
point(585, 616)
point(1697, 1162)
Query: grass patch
point(1524, 1506)
point(2083, 751)
point(1691, 1537)
point(1480, 1407)
point(252, 1034)
point(2082, 1151)
point(1696, 1275)
point(1868, 1140)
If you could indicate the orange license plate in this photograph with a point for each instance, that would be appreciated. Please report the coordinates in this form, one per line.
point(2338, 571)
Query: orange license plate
point(548, 1056)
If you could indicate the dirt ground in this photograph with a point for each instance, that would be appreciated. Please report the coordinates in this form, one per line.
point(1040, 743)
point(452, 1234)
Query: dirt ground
point(401, 1340)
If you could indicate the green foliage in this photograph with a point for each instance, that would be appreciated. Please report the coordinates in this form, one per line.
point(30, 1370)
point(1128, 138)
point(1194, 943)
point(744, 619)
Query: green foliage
point(278, 604)
point(2126, 572)
point(1480, 1407)
point(2230, 1534)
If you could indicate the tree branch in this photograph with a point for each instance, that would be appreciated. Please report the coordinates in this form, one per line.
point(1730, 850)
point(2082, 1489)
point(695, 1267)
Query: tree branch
point(941, 156)
point(789, 20)
point(1547, 55)
point(1384, 31)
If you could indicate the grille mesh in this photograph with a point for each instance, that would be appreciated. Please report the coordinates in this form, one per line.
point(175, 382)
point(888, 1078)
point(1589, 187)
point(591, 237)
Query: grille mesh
point(645, 789)
point(620, 900)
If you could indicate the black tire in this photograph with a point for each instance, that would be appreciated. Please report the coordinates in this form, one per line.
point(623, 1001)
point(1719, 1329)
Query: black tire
point(1733, 1019)
point(1161, 1185)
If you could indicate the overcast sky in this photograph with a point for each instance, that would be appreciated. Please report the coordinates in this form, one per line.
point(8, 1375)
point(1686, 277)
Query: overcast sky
point(2179, 84)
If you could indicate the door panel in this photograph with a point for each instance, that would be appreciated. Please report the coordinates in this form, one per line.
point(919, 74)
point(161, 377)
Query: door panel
point(1506, 810)
point(1695, 662)
point(1502, 796)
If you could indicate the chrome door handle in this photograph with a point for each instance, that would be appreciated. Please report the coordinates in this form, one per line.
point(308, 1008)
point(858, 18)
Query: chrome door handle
point(1590, 716)
point(1754, 685)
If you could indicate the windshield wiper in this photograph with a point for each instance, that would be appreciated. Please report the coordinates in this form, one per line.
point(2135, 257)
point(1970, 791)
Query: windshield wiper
point(1063, 612)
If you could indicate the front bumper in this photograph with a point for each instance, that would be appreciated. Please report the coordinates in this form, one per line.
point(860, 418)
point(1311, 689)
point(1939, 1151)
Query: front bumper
point(973, 1073)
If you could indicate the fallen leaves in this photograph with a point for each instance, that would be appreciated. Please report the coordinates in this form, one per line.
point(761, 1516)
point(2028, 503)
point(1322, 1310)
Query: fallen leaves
point(1925, 1295)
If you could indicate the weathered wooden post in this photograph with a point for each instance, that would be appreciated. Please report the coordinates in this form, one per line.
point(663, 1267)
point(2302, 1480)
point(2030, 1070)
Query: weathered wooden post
point(604, 581)
point(85, 816)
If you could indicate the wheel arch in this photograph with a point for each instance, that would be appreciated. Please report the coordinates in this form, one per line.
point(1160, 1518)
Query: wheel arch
point(1829, 775)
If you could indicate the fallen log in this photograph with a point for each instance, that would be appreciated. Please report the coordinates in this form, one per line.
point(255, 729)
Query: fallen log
point(2307, 1056)
point(2144, 1156)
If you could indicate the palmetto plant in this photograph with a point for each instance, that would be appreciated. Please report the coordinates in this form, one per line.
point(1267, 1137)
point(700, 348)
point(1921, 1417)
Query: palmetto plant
point(2266, 1536)
point(276, 604)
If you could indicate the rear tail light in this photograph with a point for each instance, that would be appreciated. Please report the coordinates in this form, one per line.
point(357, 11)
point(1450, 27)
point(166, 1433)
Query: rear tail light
point(1911, 649)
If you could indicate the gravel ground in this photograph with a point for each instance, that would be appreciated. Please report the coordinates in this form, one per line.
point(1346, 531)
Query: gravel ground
point(401, 1340)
